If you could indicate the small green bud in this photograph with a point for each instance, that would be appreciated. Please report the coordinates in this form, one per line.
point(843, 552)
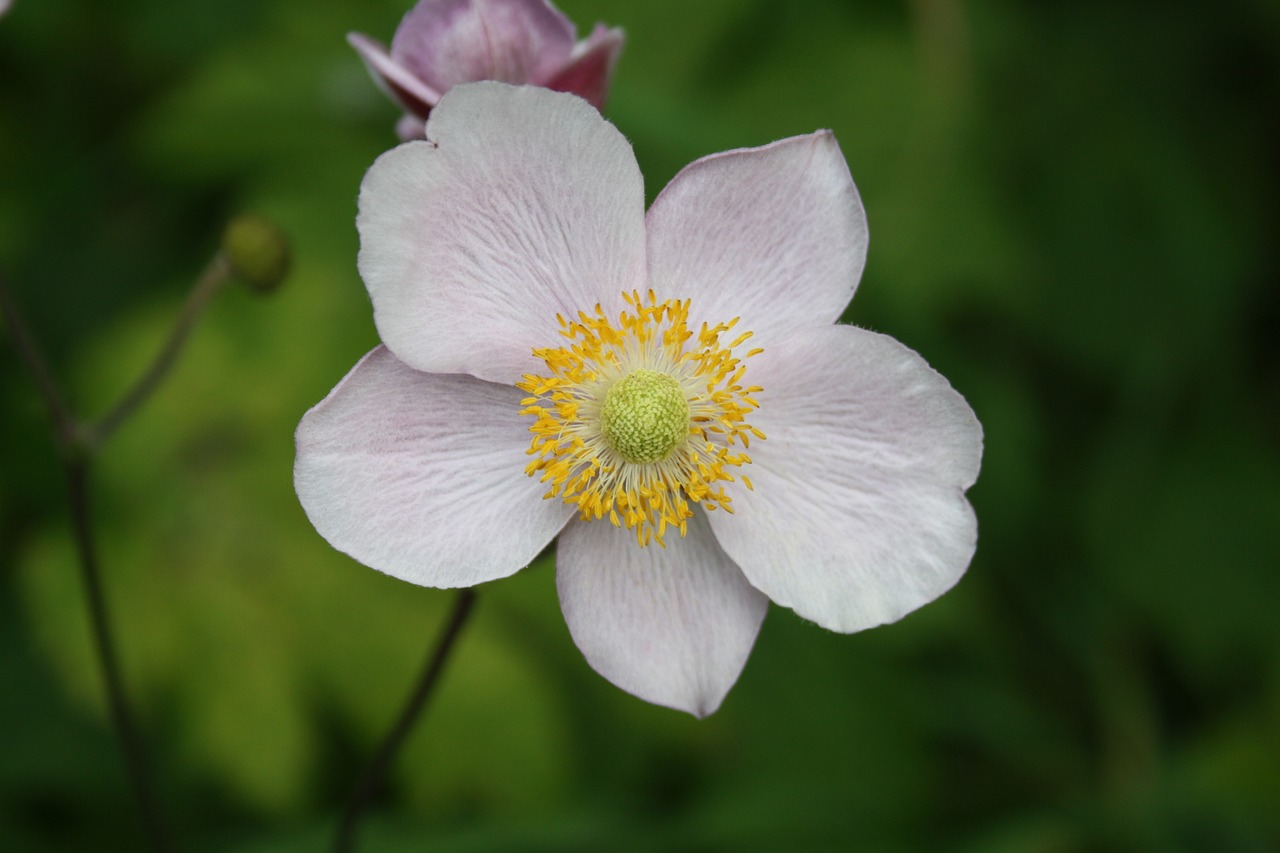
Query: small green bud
point(257, 250)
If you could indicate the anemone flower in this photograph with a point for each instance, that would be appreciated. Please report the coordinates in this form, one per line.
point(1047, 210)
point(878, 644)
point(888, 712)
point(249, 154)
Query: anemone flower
point(669, 393)
point(441, 43)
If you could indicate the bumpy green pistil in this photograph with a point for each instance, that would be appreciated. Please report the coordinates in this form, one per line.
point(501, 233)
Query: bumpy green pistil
point(645, 415)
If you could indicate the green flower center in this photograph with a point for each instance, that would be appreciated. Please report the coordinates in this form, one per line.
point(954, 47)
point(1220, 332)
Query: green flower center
point(645, 416)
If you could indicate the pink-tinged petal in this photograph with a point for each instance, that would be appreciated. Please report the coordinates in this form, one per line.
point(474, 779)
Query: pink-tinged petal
point(774, 235)
point(422, 476)
point(446, 42)
point(410, 127)
point(858, 515)
point(522, 203)
point(398, 82)
point(590, 70)
point(671, 625)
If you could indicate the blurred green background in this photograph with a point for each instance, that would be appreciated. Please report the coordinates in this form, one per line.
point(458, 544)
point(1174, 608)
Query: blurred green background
point(1074, 212)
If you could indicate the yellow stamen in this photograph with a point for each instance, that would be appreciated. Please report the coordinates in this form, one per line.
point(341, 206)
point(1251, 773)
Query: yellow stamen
point(638, 418)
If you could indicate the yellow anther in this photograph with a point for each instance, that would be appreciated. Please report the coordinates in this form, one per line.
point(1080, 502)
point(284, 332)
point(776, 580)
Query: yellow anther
point(635, 417)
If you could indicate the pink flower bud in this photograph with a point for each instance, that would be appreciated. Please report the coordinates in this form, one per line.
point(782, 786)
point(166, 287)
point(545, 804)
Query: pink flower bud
point(441, 43)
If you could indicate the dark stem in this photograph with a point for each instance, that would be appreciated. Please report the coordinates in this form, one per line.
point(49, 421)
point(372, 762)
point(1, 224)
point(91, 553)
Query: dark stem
point(64, 424)
point(215, 275)
point(78, 444)
point(375, 772)
point(121, 714)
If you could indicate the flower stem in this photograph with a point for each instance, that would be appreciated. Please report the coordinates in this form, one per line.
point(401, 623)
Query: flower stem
point(215, 275)
point(65, 426)
point(121, 713)
point(375, 772)
point(78, 445)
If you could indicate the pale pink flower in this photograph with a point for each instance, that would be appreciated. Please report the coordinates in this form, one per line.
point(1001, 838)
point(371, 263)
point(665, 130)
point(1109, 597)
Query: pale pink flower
point(693, 472)
point(441, 43)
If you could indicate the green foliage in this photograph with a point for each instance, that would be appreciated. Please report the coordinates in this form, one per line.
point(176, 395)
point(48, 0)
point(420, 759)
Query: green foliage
point(1072, 209)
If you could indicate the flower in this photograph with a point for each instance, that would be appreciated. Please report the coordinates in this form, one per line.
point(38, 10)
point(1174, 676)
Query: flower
point(441, 43)
point(668, 392)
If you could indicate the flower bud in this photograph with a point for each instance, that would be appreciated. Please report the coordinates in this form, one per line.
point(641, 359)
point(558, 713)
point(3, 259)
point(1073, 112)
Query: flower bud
point(257, 250)
point(441, 43)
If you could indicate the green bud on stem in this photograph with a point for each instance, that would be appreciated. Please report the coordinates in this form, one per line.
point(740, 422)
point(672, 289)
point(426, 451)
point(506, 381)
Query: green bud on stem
point(257, 250)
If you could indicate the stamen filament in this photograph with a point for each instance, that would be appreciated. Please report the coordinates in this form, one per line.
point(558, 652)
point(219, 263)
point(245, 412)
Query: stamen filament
point(635, 418)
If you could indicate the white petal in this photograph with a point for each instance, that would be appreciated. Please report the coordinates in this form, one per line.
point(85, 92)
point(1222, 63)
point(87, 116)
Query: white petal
point(858, 514)
point(522, 203)
point(422, 476)
point(774, 235)
point(671, 625)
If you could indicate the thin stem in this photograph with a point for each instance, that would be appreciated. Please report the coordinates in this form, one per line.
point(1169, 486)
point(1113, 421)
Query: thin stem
point(77, 450)
point(64, 424)
point(375, 772)
point(215, 275)
point(121, 714)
